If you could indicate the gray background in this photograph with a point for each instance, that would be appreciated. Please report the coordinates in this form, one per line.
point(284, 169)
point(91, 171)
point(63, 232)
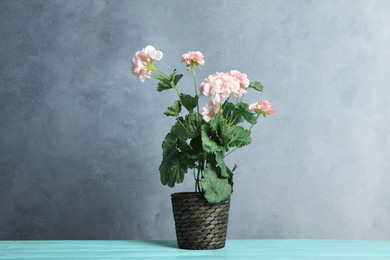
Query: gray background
point(80, 136)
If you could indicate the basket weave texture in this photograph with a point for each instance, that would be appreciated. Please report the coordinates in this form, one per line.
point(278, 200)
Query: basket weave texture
point(199, 224)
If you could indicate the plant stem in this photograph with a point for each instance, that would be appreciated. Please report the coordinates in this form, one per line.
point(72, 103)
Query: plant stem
point(224, 106)
point(196, 89)
point(237, 103)
point(160, 72)
point(249, 131)
point(241, 98)
point(200, 167)
point(227, 100)
point(195, 180)
point(177, 92)
point(198, 181)
point(232, 121)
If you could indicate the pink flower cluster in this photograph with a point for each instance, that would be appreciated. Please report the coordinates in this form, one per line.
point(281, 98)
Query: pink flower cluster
point(262, 107)
point(218, 88)
point(194, 57)
point(143, 60)
point(220, 85)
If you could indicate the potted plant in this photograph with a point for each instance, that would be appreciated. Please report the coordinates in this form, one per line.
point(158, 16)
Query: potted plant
point(200, 141)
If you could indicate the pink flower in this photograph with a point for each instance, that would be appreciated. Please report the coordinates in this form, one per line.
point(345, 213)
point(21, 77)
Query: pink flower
point(242, 79)
point(211, 109)
point(267, 108)
point(149, 52)
point(255, 107)
point(262, 107)
point(143, 62)
point(193, 57)
point(139, 69)
point(219, 86)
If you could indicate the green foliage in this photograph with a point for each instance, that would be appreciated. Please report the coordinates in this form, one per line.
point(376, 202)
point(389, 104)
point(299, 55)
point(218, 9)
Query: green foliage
point(238, 113)
point(174, 78)
point(210, 141)
point(216, 189)
point(194, 123)
point(169, 144)
point(218, 125)
point(178, 156)
point(189, 102)
point(163, 85)
point(166, 83)
point(179, 128)
point(196, 144)
point(243, 109)
point(173, 168)
point(206, 139)
point(159, 77)
point(256, 85)
point(231, 173)
point(232, 113)
point(221, 163)
point(238, 136)
point(193, 143)
point(174, 110)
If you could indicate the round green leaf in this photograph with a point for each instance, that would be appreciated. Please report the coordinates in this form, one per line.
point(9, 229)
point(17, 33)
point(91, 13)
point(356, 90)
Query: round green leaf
point(216, 189)
point(172, 169)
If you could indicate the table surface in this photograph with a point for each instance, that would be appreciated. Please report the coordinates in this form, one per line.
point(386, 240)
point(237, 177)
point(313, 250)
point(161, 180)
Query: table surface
point(167, 249)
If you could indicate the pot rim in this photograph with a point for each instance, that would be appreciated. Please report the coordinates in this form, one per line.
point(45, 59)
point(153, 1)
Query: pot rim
point(192, 194)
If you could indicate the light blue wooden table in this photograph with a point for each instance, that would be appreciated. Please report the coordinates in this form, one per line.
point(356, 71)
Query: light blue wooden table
point(235, 249)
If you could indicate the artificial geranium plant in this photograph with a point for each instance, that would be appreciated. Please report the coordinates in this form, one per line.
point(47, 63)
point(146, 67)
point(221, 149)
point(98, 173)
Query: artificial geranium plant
point(201, 140)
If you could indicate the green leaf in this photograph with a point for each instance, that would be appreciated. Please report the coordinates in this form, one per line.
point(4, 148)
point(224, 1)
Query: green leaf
point(178, 128)
point(194, 124)
point(216, 189)
point(173, 78)
point(163, 85)
point(237, 118)
point(227, 108)
point(210, 141)
point(256, 85)
point(189, 102)
point(217, 124)
point(221, 163)
point(177, 78)
point(196, 144)
point(159, 77)
point(174, 110)
point(233, 114)
point(238, 136)
point(184, 147)
point(173, 168)
point(169, 144)
point(231, 173)
point(243, 109)
point(167, 83)
point(250, 117)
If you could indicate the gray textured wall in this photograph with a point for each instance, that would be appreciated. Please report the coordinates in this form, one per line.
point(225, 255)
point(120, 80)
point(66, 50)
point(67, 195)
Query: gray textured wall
point(80, 137)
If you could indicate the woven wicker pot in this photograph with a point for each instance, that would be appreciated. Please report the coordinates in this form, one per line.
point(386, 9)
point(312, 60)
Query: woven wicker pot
point(199, 224)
